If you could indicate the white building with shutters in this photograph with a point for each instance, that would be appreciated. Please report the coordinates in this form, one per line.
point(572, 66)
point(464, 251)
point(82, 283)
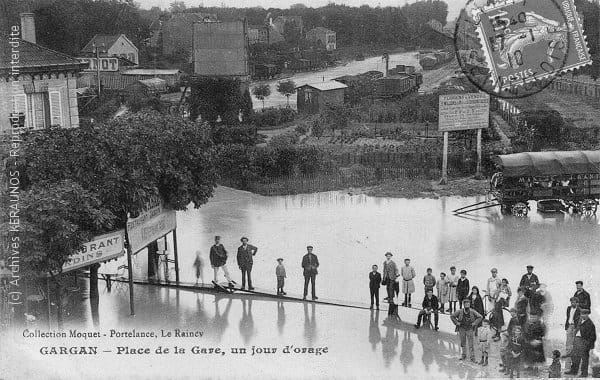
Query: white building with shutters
point(36, 82)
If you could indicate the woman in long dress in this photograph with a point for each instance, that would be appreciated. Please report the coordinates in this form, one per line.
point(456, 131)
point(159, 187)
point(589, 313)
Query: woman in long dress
point(452, 283)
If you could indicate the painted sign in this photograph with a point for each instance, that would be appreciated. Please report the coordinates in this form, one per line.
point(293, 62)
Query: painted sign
point(106, 64)
point(464, 111)
point(153, 223)
point(100, 249)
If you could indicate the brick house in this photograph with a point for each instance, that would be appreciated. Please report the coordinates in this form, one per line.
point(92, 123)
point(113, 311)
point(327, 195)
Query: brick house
point(36, 82)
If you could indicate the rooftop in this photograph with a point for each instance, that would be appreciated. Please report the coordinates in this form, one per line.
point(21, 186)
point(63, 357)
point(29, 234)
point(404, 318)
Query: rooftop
point(325, 86)
point(151, 72)
point(105, 40)
point(33, 56)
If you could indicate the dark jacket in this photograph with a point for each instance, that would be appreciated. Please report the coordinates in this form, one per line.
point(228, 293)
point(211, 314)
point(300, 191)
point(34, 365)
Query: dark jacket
point(530, 283)
point(465, 320)
point(575, 317)
point(310, 263)
point(584, 299)
point(374, 280)
point(244, 256)
point(588, 332)
point(218, 255)
point(430, 303)
point(535, 303)
point(477, 304)
point(462, 288)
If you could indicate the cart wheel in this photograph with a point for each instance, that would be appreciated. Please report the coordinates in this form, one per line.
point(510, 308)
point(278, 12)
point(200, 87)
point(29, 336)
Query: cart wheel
point(520, 209)
point(588, 207)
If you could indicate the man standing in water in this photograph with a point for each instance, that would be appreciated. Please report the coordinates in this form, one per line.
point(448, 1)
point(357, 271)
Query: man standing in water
point(529, 282)
point(245, 261)
point(390, 274)
point(218, 259)
point(310, 263)
point(466, 320)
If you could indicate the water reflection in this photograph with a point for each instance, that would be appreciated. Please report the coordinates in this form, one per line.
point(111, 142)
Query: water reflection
point(374, 333)
point(310, 324)
point(220, 320)
point(247, 322)
point(280, 317)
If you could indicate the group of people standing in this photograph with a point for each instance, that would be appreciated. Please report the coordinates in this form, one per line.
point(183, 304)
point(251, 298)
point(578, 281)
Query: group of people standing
point(245, 260)
point(522, 342)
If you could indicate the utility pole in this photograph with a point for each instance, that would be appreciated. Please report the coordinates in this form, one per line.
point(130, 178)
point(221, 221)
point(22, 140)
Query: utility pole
point(97, 51)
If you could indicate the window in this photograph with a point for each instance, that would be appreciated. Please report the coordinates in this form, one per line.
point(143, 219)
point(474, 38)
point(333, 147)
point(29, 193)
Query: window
point(307, 95)
point(41, 109)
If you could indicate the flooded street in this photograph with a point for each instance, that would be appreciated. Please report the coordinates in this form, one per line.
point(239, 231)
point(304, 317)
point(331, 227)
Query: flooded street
point(349, 233)
point(352, 232)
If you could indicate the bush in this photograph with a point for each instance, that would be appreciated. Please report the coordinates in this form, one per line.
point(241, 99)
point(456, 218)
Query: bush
point(284, 140)
point(233, 134)
point(271, 117)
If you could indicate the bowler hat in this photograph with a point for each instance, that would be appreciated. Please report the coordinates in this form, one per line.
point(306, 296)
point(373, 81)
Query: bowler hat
point(280, 259)
point(529, 266)
point(578, 282)
point(309, 247)
point(243, 238)
point(389, 254)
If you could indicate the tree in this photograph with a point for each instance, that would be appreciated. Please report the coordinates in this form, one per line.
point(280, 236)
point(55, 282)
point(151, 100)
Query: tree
point(177, 6)
point(261, 92)
point(214, 97)
point(109, 169)
point(286, 88)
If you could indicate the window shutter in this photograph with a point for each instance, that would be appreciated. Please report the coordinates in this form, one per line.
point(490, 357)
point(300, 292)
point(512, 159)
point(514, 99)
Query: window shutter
point(55, 108)
point(20, 106)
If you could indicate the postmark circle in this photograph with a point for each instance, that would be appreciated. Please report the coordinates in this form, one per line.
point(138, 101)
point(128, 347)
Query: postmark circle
point(514, 49)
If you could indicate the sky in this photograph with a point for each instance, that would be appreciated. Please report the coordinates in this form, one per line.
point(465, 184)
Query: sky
point(454, 6)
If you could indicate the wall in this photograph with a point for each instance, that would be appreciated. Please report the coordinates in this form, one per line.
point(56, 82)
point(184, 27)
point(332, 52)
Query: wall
point(64, 83)
point(123, 48)
point(331, 97)
point(220, 49)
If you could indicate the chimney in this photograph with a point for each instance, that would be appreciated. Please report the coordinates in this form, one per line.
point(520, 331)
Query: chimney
point(27, 27)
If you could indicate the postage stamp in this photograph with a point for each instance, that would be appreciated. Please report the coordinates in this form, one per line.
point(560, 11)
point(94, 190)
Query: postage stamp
point(526, 41)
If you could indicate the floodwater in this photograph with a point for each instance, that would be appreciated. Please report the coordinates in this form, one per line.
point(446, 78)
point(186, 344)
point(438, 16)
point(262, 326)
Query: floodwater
point(349, 234)
point(352, 232)
point(352, 68)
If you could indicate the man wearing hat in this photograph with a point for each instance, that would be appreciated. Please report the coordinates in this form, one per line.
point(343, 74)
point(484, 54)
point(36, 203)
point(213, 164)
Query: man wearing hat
point(583, 296)
point(585, 338)
point(310, 263)
point(245, 261)
point(466, 321)
point(493, 288)
point(529, 282)
point(390, 274)
point(218, 259)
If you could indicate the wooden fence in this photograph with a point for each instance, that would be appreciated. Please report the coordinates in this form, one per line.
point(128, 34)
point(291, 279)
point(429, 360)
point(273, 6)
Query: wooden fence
point(580, 87)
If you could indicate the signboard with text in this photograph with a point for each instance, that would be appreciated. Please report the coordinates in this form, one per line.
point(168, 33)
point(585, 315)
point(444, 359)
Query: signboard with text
point(464, 111)
point(100, 249)
point(153, 223)
point(106, 63)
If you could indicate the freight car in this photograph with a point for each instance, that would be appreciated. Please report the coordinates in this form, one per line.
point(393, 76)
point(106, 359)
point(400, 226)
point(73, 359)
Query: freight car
point(432, 61)
point(400, 81)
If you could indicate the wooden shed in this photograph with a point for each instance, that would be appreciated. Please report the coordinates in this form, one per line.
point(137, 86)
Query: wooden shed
point(311, 98)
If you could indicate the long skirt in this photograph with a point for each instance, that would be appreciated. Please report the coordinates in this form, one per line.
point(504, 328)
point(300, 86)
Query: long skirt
point(408, 286)
point(452, 294)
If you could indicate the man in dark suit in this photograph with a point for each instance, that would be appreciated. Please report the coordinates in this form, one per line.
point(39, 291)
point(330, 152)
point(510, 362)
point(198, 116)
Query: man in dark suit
point(529, 282)
point(571, 323)
point(430, 305)
point(310, 263)
point(374, 284)
point(245, 261)
point(583, 296)
point(585, 338)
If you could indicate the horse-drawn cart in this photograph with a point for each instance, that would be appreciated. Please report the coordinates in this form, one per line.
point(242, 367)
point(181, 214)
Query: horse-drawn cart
point(571, 178)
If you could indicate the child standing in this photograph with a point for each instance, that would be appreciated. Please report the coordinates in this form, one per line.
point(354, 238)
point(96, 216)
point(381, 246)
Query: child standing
point(483, 335)
point(555, 370)
point(452, 282)
point(280, 273)
point(504, 352)
point(462, 287)
point(515, 351)
point(408, 285)
point(374, 284)
point(429, 280)
point(442, 291)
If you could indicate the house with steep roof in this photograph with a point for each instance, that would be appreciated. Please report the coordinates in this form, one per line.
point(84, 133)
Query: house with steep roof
point(116, 45)
point(323, 36)
point(37, 85)
point(313, 97)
